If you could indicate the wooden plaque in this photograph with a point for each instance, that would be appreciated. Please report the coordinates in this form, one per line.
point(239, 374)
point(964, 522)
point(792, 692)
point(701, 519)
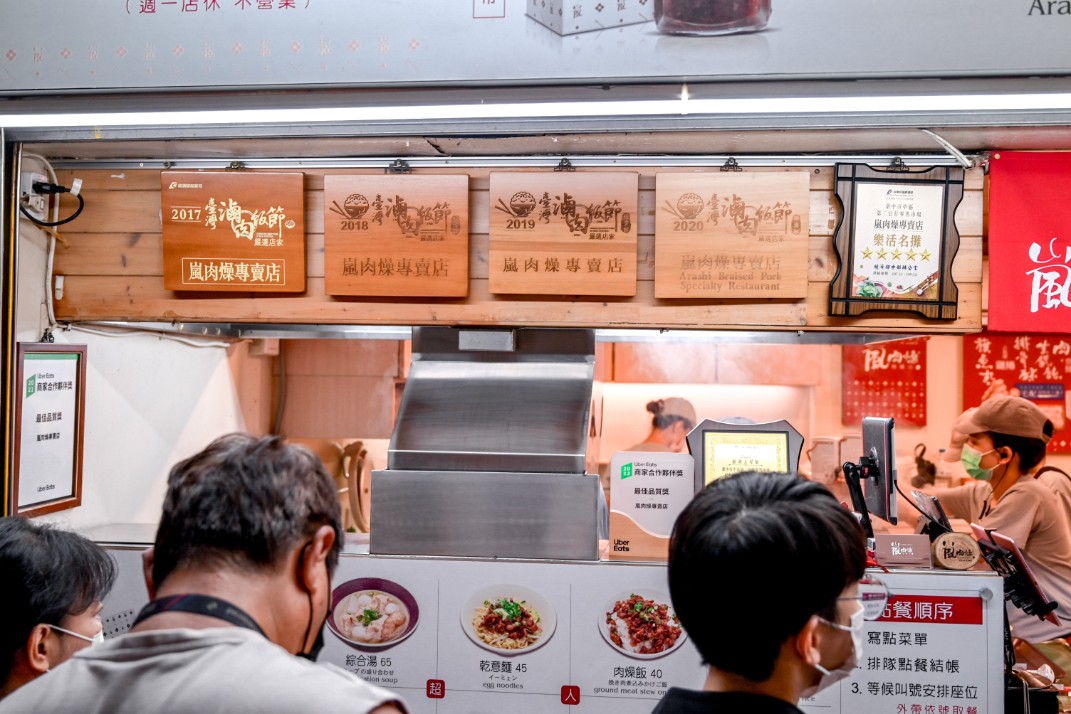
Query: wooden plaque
point(732, 235)
point(233, 231)
point(396, 235)
point(563, 233)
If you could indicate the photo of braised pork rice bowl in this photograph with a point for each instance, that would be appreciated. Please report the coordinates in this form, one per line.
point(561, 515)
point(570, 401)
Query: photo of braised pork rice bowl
point(508, 619)
point(642, 627)
point(372, 613)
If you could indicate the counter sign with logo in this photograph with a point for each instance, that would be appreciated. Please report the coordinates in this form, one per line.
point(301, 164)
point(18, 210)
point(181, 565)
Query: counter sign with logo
point(233, 231)
point(50, 406)
point(648, 490)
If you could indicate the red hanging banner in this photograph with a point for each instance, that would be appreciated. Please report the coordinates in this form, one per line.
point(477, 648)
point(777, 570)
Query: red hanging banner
point(1029, 242)
point(886, 379)
point(1033, 366)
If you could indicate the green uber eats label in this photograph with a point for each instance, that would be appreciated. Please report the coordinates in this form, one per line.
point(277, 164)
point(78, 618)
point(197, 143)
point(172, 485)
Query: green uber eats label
point(626, 471)
point(31, 387)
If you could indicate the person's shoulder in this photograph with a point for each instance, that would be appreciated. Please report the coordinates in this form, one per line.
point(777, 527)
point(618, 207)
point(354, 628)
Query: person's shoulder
point(263, 672)
point(1054, 478)
point(332, 687)
point(1028, 487)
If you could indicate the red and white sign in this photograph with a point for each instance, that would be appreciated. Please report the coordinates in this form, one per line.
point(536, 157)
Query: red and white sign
point(885, 379)
point(1033, 366)
point(935, 610)
point(1029, 242)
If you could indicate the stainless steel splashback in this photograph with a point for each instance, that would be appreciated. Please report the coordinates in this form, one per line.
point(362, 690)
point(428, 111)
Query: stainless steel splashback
point(496, 400)
point(487, 455)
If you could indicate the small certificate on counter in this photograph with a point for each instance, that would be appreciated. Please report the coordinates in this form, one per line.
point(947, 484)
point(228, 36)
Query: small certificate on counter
point(648, 490)
point(731, 452)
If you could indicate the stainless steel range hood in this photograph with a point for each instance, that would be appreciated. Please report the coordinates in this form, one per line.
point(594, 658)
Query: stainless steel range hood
point(496, 400)
point(487, 455)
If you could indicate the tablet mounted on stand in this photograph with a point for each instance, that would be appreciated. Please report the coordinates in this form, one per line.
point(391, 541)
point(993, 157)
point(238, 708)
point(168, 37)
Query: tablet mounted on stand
point(877, 470)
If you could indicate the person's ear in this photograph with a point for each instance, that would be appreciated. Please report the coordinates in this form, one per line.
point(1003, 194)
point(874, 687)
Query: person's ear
point(148, 556)
point(807, 641)
point(38, 647)
point(315, 555)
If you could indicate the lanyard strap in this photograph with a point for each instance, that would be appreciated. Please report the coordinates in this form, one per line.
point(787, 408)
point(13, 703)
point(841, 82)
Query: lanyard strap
point(200, 605)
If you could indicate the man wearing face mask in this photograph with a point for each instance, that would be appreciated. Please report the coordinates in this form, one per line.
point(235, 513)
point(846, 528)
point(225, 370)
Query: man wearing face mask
point(1004, 446)
point(52, 582)
point(784, 620)
point(240, 583)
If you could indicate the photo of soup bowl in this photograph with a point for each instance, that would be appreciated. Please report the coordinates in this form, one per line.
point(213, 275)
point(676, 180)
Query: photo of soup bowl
point(372, 614)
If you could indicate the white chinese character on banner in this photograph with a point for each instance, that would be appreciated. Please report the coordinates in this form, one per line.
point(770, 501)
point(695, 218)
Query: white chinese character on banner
point(1051, 287)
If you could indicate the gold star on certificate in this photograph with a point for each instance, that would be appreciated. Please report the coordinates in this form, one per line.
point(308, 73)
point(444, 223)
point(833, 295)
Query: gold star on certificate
point(911, 255)
point(882, 255)
point(897, 255)
point(925, 255)
point(867, 253)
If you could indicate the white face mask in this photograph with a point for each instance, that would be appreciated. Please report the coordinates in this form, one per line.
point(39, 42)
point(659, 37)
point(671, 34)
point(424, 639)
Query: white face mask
point(832, 676)
point(95, 639)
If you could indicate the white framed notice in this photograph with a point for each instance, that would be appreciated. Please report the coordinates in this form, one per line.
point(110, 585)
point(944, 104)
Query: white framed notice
point(49, 414)
point(648, 490)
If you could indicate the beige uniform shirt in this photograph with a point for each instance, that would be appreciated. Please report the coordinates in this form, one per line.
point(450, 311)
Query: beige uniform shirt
point(1059, 483)
point(1030, 515)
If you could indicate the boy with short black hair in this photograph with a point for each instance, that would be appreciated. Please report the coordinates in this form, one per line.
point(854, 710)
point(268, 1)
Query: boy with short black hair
point(782, 619)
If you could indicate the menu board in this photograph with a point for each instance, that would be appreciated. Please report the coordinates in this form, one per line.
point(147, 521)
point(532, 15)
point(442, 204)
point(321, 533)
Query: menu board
point(1034, 366)
point(732, 235)
point(443, 656)
point(563, 233)
point(233, 231)
point(396, 235)
point(884, 379)
point(937, 648)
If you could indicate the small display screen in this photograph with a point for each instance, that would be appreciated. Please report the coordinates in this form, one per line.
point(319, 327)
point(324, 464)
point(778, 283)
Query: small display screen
point(729, 452)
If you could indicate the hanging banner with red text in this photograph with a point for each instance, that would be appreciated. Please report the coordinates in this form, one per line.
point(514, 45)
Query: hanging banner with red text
point(886, 379)
point(1033, 366)
point(1029, 242)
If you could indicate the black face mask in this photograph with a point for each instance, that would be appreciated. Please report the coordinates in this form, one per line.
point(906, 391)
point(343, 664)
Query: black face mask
point(317, 644)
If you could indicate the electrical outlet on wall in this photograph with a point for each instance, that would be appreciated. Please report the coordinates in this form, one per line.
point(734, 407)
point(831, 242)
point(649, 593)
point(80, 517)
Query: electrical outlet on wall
point(36, 204)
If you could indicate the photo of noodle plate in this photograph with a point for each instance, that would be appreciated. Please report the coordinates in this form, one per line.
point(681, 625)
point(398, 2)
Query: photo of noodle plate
point(641, 625)
point(508, 619)
point(372, 614)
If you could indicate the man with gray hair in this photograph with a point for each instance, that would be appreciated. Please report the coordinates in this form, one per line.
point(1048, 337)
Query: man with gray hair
point(240, 584)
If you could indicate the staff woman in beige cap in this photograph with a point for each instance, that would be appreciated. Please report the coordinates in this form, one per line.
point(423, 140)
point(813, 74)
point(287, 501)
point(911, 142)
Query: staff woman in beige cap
point(1006, 438)
point(673, 419)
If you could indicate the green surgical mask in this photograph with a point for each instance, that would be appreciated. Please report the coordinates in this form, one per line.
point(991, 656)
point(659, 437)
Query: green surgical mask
point(971, 459)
